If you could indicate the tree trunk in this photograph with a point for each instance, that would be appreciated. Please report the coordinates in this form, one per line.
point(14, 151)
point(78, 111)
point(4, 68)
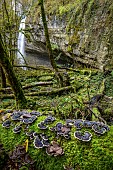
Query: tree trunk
point(3, 78)
point(48, 44)
point(11, 77)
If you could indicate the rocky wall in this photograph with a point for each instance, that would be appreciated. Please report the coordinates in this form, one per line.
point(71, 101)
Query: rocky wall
point(88, 40)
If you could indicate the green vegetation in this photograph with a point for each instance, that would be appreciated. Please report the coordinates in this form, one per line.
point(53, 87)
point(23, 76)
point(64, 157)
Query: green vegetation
point(79, 85)
point(83, 82)
point(95, 155)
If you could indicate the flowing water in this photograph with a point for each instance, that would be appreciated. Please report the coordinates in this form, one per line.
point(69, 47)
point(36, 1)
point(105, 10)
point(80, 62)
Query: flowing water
point(21, 42)
point(23, 57)
point(30, 58)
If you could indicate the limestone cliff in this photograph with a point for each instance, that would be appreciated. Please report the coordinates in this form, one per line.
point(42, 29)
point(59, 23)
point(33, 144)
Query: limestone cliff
point(82, 29)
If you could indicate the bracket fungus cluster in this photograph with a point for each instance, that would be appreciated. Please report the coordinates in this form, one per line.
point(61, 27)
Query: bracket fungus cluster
point(17, 128)
point(43, 125)
point(86, 136)
point(68, 167)
point(98, 127)
point(54, 149)
point(6, 123)
point(42, 140)
point(20, 157)
point(62, 130)
point(21, 116)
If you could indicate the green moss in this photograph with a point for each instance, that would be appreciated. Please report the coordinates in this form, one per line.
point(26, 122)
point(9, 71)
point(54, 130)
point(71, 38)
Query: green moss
point(23, 168)
point(108, 111)
point(95, 155)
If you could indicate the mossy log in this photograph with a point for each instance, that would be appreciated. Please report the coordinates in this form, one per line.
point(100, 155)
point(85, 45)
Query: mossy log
point(47, 74)
point(8, 89)
point(81, 71)
point(96, 154)
point(59, 91)
point(42, 75)
point(40, 67)
point(10, 75)
point(37, 84)
point(7, 96)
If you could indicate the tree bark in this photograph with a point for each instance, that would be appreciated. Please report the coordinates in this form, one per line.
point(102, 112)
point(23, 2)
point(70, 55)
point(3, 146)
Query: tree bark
point(3, 78)
point(11, 77)
point(48, 44)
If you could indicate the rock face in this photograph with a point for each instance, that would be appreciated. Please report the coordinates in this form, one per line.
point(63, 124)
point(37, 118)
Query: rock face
point(85, 35)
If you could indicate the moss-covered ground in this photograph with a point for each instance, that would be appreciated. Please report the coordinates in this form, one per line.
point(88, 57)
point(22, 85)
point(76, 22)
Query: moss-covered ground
point(94, 155)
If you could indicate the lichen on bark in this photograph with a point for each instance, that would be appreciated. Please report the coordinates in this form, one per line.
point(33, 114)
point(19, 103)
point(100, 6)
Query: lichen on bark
point(11, 77)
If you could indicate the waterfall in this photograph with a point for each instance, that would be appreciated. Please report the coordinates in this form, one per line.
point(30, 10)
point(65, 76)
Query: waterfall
point(55, 22)
point(21, 42)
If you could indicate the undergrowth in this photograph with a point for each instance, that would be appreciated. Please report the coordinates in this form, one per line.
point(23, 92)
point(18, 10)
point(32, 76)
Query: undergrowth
point(94, 155)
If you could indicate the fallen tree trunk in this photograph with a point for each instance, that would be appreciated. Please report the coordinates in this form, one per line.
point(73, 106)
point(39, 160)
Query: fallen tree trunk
point(37, 84)
point(8, 89)
point(7, 96)
point(80, 71)
point(59, 91)
point(40, 67)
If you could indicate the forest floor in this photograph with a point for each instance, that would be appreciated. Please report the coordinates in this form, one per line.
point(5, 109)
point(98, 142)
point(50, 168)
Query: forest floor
point(89, 89)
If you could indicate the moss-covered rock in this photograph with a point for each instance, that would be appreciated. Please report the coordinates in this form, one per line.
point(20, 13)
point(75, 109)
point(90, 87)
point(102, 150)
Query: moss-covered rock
point(81, 28)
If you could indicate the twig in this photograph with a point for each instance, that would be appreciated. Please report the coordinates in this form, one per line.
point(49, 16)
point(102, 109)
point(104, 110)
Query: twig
point(98, 117)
